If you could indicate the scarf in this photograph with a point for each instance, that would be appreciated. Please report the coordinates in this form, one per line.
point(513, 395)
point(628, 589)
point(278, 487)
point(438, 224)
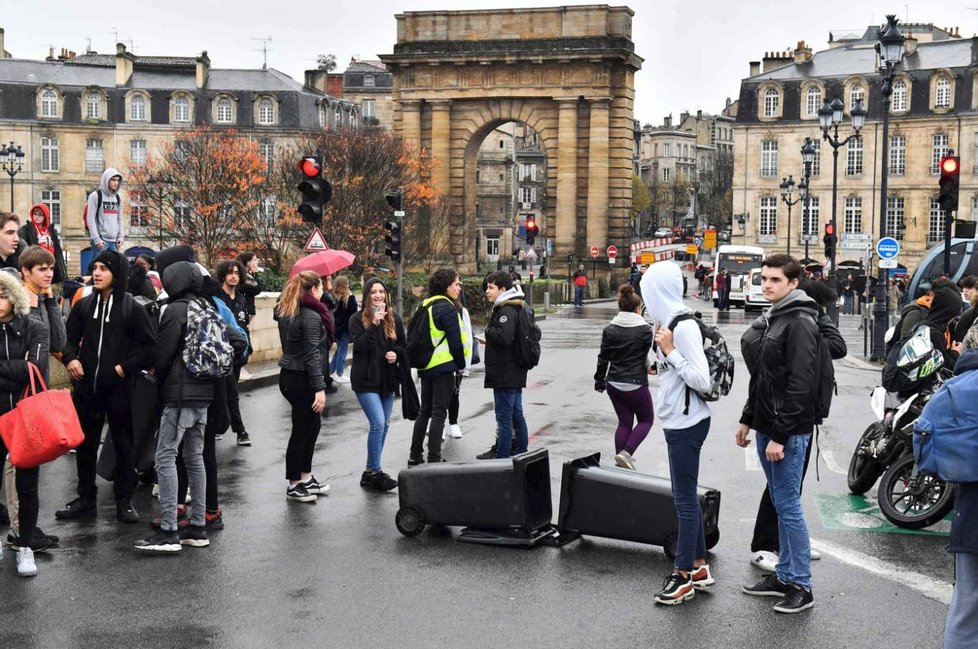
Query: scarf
point(310, 302)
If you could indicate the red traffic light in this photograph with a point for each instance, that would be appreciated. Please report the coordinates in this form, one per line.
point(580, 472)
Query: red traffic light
point(950, 165)
point(532, 227)
point(310, 167)
point(829, 229)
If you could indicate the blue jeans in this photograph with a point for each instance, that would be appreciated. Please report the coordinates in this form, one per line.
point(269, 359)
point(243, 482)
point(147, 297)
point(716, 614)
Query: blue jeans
point(181, 424)
point(109, 245)
point(338, 363)
point(378, 409)
point(509, 419)
point(579, 295)
point(684, 470)
point(847, 303)
point(784, 481)
point(961, 628)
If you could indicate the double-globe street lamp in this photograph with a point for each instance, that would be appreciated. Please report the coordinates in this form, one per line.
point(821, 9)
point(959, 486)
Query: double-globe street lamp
point(808, 159)
point(11, 161)
point(890, 49)
point(787, 191)
point(830, 118)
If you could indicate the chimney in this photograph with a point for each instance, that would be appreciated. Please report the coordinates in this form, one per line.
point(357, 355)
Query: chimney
point(123, 65)
point(910, 45)
point(775, 60)
point(50, 53)
point(203, 67)
point(334, 84)
point(699, 114)
point(803, 53)
point(667, 122)
point(683, 116)
point(755, 68)
point(316, 79)
point(3, 52)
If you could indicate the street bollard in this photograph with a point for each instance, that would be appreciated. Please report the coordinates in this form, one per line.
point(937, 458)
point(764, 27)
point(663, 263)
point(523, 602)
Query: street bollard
point(546, 300)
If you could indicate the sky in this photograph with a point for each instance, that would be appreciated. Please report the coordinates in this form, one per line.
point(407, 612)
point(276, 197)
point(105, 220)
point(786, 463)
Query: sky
point(696, 51)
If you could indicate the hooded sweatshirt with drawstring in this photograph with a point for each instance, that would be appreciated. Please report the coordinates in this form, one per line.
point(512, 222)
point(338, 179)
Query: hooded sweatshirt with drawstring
point(105, 223)
point(46, 236)
point(685, 366)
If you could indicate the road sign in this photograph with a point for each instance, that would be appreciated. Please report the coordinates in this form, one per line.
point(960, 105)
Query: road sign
point(646, 258)
point(399, 213)
point(888, 263)
point(612, 252)
point(856, 245)
point(710, 239)
point(594, 252)
point(692, 249)
point(316, 242)
point(887, 248)
point(531, 253)
point(808, 238)
point(857, 236)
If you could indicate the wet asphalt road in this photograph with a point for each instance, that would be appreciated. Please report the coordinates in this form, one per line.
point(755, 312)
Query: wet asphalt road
point(338, 574)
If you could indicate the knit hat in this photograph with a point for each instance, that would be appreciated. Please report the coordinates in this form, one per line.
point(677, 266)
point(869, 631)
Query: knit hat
point(173, 254)
point(118, 265)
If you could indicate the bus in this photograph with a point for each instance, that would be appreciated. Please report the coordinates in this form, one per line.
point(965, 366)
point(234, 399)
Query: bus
point(739, 262)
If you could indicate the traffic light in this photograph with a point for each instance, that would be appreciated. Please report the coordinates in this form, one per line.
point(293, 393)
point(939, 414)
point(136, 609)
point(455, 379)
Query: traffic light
point(393, 240)
point(532, 230)
point(313, 188)
point(829, 240)
point(950, 179)
point(396, 200)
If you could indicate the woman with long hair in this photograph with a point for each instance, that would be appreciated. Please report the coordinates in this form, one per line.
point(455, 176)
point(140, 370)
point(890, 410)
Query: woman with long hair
point(346, 306)
point(378, 340)
point(623, 370)
point(305, 327)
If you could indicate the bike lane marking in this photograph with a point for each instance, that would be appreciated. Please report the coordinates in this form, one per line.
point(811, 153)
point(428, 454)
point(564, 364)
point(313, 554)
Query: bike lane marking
point(852, 512)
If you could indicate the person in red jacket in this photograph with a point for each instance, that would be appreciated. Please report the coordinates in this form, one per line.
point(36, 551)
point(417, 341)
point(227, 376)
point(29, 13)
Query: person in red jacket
point(39, 231)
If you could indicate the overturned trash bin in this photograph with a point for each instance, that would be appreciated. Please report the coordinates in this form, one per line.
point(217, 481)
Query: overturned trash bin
point(499, 502)
point(620, 504)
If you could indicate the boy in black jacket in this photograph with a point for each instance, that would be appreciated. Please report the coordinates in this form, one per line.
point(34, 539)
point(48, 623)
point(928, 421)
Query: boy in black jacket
point(109, 339)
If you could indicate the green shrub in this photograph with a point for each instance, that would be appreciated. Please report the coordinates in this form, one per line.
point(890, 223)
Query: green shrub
point(271, 280)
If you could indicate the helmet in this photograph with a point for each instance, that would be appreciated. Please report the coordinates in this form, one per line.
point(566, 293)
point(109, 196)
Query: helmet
point(918, 357)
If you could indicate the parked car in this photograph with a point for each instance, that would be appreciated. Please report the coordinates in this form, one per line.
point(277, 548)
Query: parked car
point(754, 296)
point(662, 233)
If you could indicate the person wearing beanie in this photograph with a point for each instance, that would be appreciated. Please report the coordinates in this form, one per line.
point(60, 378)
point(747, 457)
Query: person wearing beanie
point(109, 340)
point(39, 231)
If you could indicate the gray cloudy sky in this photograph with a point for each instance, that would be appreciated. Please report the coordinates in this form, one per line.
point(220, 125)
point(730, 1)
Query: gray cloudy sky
point(695, 51)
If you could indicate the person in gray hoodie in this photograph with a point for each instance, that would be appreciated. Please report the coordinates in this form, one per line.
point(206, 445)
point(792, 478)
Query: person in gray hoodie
point(103, 216)
point(683, 372)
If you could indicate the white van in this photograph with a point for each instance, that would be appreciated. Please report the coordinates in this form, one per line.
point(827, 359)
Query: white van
point(754, 295)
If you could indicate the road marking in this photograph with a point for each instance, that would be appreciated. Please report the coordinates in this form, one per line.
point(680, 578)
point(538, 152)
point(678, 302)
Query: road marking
point(751, 461)
point(927, 586)
point(830, 462)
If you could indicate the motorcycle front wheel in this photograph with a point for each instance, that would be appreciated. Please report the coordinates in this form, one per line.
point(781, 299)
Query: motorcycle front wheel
point(864, 469)
point(913, 503)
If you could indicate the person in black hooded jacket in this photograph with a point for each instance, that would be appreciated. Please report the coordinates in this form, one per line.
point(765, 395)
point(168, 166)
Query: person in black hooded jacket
point(944, 308)
point(109, 339)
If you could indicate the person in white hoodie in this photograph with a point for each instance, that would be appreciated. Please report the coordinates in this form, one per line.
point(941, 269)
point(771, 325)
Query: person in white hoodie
point(103, 215)
point(683, 371)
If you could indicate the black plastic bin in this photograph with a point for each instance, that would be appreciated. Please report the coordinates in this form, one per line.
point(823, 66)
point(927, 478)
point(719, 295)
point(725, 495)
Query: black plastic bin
point(621, 504)
point(500, 502)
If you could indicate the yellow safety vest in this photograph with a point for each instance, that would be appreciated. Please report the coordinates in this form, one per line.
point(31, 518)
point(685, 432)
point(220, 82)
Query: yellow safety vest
point(439, 338)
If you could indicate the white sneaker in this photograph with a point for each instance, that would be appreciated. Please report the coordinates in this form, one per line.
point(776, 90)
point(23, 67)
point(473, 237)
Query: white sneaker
point(245, 375)
point(156, 491)
point(767, 561)
point(816, 555)
point(455, 431)
point(339, 378)
point(25, 563)
point(625, 460)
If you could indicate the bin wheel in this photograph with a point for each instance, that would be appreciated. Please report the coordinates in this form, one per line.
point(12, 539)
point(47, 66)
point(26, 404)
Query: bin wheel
point(409, 521)
point(712, 539)
point(669, 545)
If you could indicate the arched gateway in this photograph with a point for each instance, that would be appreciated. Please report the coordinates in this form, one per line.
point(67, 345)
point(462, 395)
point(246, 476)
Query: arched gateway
point(567, 72)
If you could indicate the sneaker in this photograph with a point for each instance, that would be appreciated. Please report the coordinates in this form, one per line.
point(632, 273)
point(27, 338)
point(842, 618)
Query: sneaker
point(765, 560)
point(769, 586)
point(214, 520)
point(183, 518)
point(218, 438)
point(314, 486)
point(625, 461)
point(162, 541)
point(298, 492)
point(39, 543)
point(25, 563)
point(378, 481)
point(77, 508)
point(156, 491)
point(194, 536)
point(815, 554)
point(702, 578)
point(488, 455)
point(245, 375)
point(454, 431)
point(244, 439)
point(796, 600)
point(339, 378)
point(125, 512)
point(332, 389)
point(676, 589)
point(415, 461)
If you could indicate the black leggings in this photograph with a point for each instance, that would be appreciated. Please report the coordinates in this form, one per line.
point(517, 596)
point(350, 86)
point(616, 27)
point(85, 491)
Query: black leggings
point(306, 422)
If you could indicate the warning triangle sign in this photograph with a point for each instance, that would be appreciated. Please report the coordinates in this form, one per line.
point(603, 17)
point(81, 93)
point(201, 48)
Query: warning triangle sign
point(316, 242)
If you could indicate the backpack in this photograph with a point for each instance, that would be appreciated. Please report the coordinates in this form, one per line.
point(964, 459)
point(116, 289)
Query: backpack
point(945, 436)
point(420, 347)
point(85, 212)
point(825, 375)
point(526, 346)
point(207, 351)
point(718, 357)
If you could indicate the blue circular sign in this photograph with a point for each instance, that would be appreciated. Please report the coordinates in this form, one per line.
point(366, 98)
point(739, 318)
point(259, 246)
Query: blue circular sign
point(887, 248)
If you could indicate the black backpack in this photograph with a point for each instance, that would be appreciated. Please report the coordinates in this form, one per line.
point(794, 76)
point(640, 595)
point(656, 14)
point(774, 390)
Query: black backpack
point(825, 373)
point(526, 346)
point(420, 347)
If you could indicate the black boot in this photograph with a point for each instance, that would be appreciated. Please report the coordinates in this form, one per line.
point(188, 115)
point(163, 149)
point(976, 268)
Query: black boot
point(488, 455)
point(77, 508)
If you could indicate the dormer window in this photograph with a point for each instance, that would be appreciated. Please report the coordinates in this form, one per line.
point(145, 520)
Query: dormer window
point(49, 104)
point(137, 109)
point(181, 109)
point(942, 94)
point(772, 103)
point(266, 111)
point(369, 81)
point(223, 111)
point(93, 104)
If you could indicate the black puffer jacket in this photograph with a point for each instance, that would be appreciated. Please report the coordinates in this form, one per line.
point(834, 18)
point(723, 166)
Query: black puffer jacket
point(370, 371)
point(625, 345)
point(302, 337)
point(783, 382)
point(183, 281)
point(22, 339)
point(502, 370)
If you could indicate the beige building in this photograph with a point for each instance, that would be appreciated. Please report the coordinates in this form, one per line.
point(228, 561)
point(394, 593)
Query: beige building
point(933, 110)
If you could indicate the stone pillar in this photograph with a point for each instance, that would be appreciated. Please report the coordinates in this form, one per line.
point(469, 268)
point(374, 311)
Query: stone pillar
point(566, 221)
point(597, 184)
point(411, 122)
point(441, 145)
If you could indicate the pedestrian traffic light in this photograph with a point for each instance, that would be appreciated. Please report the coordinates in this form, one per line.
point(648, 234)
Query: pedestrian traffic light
point(315, 191)
point(532, 230)
point(950, 178)
point(393, 240)
point(396, 200)
point(829, 240)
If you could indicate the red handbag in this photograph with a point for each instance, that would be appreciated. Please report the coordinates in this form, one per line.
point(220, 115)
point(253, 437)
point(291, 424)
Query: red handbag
point(42, 427)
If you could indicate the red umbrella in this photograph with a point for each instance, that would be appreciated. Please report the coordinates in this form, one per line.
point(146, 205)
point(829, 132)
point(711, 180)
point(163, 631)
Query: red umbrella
point(325, 262)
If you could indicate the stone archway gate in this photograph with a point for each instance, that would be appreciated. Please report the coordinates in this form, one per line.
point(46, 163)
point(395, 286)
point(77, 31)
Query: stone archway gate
point(567, 72)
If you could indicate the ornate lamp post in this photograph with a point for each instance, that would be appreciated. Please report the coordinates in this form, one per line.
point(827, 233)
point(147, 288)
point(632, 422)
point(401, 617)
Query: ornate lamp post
point(808, 158)
point(11, 161)
point(830, 118)
point(890, 49)
point(787, 188)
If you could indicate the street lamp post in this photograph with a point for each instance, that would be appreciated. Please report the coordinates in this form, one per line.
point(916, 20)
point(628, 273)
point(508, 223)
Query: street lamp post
point(808, 158)
point(890, 50)
point(830, 118)
point(787, 188)
point(158, 182)
point(12, 161)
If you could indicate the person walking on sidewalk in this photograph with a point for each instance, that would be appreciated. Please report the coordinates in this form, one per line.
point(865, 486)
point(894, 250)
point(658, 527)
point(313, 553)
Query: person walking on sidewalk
point(346, 306)
point(378, 344)
point(683, 373)
point(623, 370)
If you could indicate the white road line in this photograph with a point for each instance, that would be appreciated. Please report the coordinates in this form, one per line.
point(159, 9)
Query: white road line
point(926, 586)
point(831, 463)
point(751, 461)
